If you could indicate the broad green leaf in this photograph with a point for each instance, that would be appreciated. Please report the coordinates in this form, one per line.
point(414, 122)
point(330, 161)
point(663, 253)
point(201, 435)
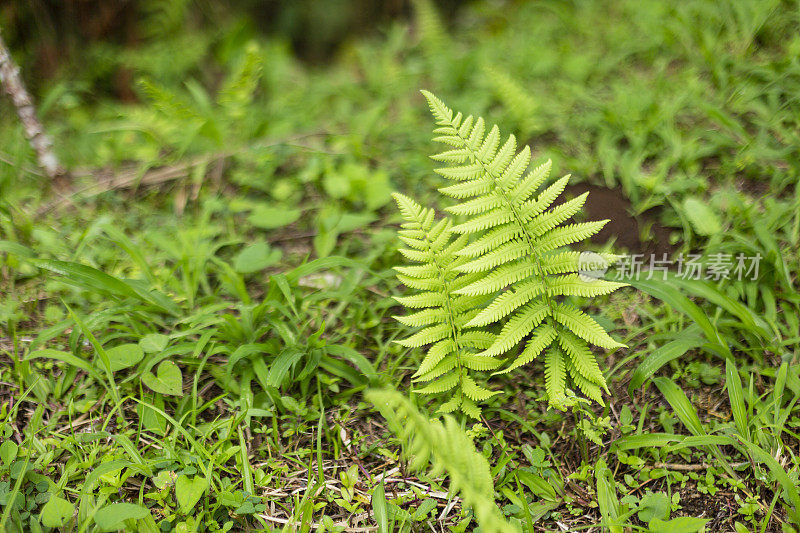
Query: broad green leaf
point(8, 451)
point(167, 381)
point(272, 216)
point(124, 356)
point(255, 257)
point(697, 441)
point(423, 511)
point(91, 279)
point(648, 440)
point(151, 420)
point(154, 342)
point(704, 220)
point(670, 295)
point(56, 511)
point(112, 517)
point(654, 505)
point(189, 491)
point(281, 365)
point(16, 249)
point(361, 362)
point(537, 485)
point(684, 524)
point(706, 290)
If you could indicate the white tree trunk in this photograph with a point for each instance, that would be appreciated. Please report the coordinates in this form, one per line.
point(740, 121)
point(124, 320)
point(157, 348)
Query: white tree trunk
point(41, 143)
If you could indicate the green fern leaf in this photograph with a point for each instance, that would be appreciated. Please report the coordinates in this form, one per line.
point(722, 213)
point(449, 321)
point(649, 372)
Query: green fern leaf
point(474, 391)
point(541, 339)
point(508, 302)
point(436, 353)
point(565, 235)
point(575, 285)
point(444, 366)
point(581, 357)
point(442, 385)
point(584, 326)
point(555, 375)
point(479, 362)
point(520, 325)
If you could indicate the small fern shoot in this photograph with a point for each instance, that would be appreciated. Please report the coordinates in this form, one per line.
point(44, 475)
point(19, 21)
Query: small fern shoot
point(514, 256)
point(442, 314)
point(448, 449)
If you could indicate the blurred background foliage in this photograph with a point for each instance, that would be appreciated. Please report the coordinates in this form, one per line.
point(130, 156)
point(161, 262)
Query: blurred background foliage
point(311, 109)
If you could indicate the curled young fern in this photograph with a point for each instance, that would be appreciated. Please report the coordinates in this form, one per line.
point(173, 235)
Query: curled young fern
point(440, 311)
point(449, 450)
point(514, 257)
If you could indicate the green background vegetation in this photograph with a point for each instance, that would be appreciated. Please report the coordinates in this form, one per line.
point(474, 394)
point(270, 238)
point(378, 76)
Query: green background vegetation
point(187, 331)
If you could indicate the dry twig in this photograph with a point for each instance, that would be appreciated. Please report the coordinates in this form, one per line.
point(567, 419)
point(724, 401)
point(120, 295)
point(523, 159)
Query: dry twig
point(34, 131)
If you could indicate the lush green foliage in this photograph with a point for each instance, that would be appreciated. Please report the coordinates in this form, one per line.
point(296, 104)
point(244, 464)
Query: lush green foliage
point(187, 333)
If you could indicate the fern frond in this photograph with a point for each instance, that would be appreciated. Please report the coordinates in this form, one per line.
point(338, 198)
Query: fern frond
point(428, 335)
point(587, 387)
point(445, 365)
point(491, 240)
point(479, 362)
point(565, 235)
point(491, 219)
point(465, 189)
point(443, 316)
point(531, 182)
point(422, 318)
point(500, 278)
point(427, 285)
point(476, 206)
point(423, 299)
point(475, 392)
point(501, 263)
point(531, 208)
point(502, 254)
point(444, 447)
point(557, 215)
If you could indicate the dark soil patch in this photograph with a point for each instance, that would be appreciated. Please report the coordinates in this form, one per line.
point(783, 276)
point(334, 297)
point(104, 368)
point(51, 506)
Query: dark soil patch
point(641, 234)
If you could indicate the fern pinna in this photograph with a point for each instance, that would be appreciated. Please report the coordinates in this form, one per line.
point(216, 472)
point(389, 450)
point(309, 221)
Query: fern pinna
point(444, 314)
point(510, 259)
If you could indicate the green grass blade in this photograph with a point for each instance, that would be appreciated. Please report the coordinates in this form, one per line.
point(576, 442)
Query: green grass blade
point(668, 294)
point(736, 397)
point(688, 340)
point(686, 412)
point(379, 508)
